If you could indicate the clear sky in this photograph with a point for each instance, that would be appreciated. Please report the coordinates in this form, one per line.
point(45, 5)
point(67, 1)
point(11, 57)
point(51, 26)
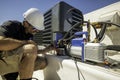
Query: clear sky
point(14, 9)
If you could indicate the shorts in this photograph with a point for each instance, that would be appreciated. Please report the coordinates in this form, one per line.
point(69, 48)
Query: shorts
point(11, 59)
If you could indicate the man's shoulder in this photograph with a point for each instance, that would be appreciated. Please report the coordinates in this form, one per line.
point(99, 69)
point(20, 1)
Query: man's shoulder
point(10, 22)
point(11, 25)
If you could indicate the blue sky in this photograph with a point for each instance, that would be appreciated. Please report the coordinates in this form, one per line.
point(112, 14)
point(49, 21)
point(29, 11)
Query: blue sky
point(13, 9)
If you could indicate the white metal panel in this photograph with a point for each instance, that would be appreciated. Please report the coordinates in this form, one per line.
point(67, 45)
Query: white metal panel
point(64, 68)
point(112, 37)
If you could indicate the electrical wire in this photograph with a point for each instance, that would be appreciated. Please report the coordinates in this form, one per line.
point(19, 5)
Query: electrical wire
point(78, 70)
point(67, 15)
point(102, 32)
point(96, 33)
point(75, 25)
point(104, 25)
point(102, 38)
point(110, 23)
point(70, 11)
point(72, 36)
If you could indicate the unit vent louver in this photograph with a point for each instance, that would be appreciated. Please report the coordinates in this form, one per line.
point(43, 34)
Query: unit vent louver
point(38, 38)
point(76, 17)
point(48, 27)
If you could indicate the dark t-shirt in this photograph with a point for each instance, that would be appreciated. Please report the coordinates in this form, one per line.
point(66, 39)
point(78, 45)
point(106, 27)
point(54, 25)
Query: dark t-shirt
point(15, 30)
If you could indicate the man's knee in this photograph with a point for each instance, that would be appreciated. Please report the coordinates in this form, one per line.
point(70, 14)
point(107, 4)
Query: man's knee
point(30, 50)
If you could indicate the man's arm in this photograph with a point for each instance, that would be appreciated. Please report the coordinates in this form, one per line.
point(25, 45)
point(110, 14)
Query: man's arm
point(10, 44)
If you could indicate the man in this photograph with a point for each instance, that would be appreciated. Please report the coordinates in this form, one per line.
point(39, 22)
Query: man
point(17, 52)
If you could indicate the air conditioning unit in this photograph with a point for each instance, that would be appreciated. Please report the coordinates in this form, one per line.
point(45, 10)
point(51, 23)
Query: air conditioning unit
point(56, 24)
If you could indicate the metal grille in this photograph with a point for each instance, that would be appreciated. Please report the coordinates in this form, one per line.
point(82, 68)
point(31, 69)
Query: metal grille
point(76, 17)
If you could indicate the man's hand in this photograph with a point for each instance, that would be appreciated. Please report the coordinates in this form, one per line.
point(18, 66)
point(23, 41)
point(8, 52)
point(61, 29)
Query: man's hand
point(31, 42)
point(52, 47)
point(48, 48)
